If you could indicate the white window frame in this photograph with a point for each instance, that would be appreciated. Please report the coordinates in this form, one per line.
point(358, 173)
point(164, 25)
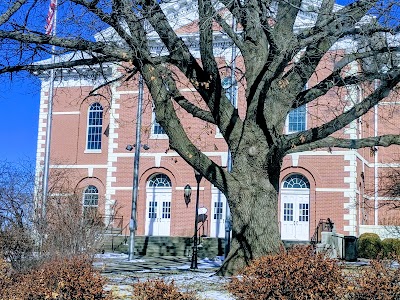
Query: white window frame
point(218, 134)
point(305, 120)
point(85, 193)
point(87, 150)
point(153, 124)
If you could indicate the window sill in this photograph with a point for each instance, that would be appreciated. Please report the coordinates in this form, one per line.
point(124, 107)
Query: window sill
point(92, 151)
point(159, 136)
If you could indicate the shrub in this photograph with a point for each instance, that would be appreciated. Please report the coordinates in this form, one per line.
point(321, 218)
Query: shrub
point(369, 245)
point(296, 274)
point(391, 247)
point(63, 278)
point(379, 282)
point(160, 290)
point(16, 246)
point(5, 276)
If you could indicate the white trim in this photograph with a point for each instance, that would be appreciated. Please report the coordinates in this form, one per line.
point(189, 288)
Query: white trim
point(387, 199)
point(194, 188)
point(123, 188)
point(187, 90)
point(78, 166)
point(387, 165)
point(295, 159)
point(305, 191)
point(218, 134)
point(112, 144)
point(305, 121)
point(128, 92)
point(157, 160)
point(325, 153)
point(157, 136)
point(169, 154)
point(67, 113)
point(61, 194)
point(384, 231)
point(338, 190)
point(88, 151)
point(389, 103)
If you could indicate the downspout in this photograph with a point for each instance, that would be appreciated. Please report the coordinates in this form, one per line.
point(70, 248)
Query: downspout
point(361, 191)
point(376, 84)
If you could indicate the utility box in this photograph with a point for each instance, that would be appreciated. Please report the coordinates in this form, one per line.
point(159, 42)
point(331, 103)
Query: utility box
point(350, 248)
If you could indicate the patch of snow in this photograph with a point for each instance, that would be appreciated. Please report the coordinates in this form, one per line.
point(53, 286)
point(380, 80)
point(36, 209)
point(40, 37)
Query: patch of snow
point(111, 255)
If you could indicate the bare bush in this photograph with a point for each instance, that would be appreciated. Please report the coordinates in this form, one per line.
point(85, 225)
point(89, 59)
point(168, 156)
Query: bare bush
point(69, 231)
point(297, 274)
point(161, 290)
point(379, 281)
point(60, 278)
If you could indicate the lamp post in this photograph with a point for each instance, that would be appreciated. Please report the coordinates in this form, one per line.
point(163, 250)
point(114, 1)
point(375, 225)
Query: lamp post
point(193, 264)
point(133, 223)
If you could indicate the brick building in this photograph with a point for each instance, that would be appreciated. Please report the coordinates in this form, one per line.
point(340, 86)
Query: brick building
point(90, 135)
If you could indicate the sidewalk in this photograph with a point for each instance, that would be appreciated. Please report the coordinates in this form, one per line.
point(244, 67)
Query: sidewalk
point(121, 274)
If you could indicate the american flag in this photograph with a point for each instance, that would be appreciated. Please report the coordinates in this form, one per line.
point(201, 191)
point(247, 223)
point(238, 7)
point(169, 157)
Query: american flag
point(50, 16)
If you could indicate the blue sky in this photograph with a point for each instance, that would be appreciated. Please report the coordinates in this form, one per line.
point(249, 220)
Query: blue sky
point(19, 103)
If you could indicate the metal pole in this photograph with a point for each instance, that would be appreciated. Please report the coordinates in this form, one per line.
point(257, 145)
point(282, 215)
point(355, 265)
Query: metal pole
point(133, 223)
point(193, 264)
point(46, 163)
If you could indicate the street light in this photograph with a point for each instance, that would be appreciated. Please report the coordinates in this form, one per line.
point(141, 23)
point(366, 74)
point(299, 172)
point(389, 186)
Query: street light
point(131, 147)
point(187, 192)
point(193, 264)
point(133, 221)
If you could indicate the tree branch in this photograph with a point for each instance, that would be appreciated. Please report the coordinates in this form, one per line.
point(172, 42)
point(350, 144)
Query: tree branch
point(11, 11)
point(106, 49)
point(228, 30)
point(58, 65)
point(318, 133)
point(383, 140)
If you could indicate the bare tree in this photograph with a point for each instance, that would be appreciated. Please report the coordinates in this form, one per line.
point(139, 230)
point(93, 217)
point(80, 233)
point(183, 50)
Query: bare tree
point(283, 45)
point(70, 228)
point(16, 211)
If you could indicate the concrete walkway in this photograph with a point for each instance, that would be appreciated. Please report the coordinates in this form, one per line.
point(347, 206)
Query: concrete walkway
point(121, 274)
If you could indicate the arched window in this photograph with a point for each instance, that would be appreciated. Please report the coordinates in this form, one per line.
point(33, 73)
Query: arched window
point(296, 181)
point(91, 196)
point(94, 129)
point(90, 201)
point(160, 180)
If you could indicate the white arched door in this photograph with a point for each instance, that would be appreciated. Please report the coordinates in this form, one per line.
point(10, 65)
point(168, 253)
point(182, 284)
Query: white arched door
point(158, 205)
point(295, 208)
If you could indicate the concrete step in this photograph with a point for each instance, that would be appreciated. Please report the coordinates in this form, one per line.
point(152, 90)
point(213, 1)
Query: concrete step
point(291, 243)
point(164, 246)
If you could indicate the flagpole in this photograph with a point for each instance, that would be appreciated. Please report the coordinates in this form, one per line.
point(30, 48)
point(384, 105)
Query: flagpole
point(50, 30)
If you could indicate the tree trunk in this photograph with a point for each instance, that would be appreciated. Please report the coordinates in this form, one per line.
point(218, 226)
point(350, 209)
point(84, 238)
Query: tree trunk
point(255, 228)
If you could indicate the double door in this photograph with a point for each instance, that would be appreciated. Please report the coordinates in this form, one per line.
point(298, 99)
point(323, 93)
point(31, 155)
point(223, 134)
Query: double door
point(158, 212)
point(295, 215)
